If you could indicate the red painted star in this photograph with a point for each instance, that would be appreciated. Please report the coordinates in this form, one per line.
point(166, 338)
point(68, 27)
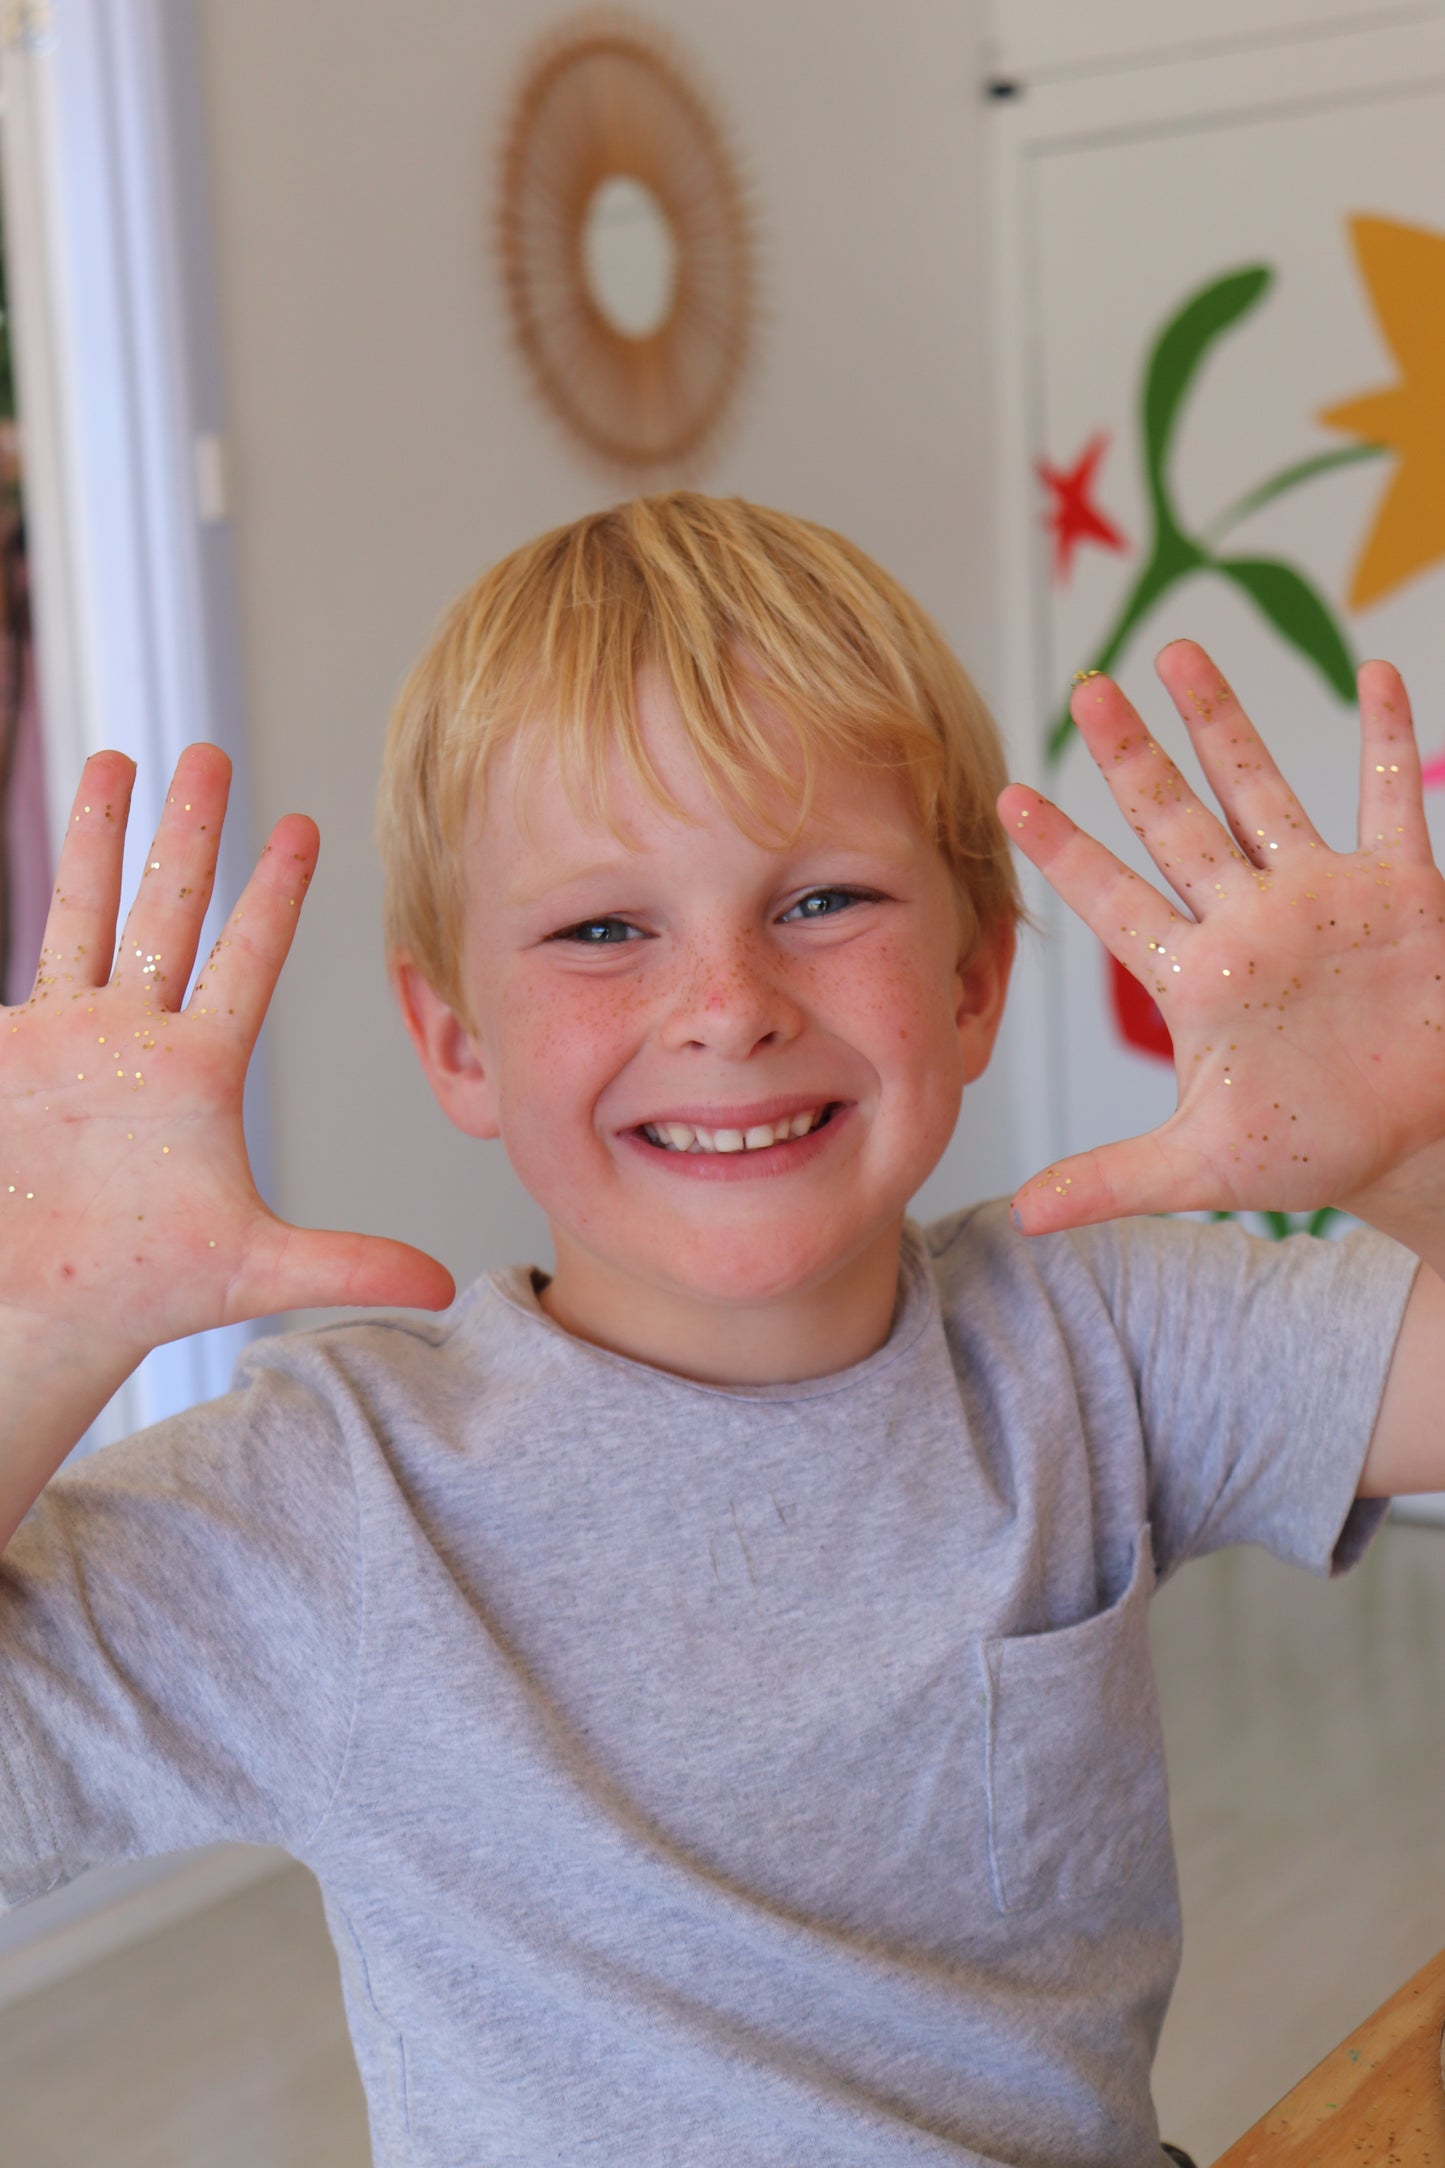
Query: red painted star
point(1073, 517)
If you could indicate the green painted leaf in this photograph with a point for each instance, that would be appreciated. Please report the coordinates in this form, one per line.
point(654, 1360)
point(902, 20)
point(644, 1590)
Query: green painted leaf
point(1178, 352)
point(1298, 614)
point(1279, 1226)
point(1303, 470)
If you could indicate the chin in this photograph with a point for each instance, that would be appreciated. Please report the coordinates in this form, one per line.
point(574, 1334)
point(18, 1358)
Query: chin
point(734, 1269)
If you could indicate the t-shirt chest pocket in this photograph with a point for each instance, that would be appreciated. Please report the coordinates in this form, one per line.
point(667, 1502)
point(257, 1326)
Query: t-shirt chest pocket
point(1077, 1798)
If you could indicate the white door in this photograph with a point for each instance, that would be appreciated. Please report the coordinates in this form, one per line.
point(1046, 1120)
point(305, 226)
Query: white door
point(1221, 348)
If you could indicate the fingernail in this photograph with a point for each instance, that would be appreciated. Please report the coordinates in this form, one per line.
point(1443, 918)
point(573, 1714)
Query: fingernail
point(1017, 1217)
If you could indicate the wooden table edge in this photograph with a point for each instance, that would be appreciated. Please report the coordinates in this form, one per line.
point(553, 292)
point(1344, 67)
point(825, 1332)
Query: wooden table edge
point(1377, 2097)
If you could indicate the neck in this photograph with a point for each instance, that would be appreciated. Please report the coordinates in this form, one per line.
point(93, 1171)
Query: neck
point(807, 1332)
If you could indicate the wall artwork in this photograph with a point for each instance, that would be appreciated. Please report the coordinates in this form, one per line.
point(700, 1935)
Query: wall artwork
point(1236, 422)
point(627, 244)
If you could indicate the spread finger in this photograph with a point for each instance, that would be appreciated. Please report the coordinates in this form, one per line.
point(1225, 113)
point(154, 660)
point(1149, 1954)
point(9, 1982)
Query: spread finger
point(163, 927)
point(1182, 835)
point(240, 974)
point(79, 939)
point(1392, 810)
point(1264, 816)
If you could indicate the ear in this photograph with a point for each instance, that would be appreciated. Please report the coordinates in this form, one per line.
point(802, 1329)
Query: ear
point(980, 984)
point(453, 1061)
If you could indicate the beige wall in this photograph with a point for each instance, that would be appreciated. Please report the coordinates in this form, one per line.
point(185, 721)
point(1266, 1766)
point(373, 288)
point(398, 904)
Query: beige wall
point(384, 448)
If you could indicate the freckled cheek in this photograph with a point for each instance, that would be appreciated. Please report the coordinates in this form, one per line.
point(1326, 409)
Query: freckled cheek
point(914, 1030)
point(902, 1001)
point(564, 1047)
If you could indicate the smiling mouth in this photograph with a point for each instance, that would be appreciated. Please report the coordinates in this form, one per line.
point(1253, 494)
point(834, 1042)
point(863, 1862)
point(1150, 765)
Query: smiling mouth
point(690, 1137)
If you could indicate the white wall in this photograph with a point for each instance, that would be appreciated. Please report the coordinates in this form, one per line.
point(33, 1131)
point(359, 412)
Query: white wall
point(385, 450)
point(1040, 40)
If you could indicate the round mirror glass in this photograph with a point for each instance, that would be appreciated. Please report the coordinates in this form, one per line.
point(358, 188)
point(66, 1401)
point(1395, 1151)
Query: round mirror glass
point(629, 257)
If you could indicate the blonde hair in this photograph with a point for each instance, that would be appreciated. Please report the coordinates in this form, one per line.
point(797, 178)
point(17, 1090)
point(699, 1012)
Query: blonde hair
point(729, 602)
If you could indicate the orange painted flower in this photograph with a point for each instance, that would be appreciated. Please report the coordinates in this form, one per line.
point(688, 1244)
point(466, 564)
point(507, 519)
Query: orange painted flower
point(1403, 268)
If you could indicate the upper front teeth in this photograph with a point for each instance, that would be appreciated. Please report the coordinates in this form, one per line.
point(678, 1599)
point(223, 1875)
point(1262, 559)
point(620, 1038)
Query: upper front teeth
point(688, 1137)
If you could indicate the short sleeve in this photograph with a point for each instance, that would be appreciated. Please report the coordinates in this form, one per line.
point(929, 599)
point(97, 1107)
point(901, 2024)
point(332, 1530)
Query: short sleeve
point(1259, 1367)
point(179, 1617)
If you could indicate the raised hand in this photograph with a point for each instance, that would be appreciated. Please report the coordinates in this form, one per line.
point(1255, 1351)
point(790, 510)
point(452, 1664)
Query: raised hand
point(128, 1215)
point(1303, 988)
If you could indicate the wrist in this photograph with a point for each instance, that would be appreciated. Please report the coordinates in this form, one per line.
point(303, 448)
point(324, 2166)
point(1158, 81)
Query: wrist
point(53, 1384)
point(1408, 1205)
point(42, 1351)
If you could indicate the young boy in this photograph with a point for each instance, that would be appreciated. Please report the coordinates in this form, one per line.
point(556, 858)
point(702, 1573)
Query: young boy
point(710, 1684)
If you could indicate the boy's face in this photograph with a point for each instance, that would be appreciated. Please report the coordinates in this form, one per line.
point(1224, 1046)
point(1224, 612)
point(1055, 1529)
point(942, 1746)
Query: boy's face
point(634, 1003)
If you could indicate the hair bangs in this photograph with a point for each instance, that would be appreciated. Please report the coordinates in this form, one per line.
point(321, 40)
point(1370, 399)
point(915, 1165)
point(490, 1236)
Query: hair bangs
point(783, 648)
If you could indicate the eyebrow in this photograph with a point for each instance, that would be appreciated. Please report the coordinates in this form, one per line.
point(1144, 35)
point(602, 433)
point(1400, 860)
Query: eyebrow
point(523, 899)
point(834, 839)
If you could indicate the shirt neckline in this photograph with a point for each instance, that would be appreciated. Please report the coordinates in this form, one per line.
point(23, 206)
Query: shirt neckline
point(915, 1303)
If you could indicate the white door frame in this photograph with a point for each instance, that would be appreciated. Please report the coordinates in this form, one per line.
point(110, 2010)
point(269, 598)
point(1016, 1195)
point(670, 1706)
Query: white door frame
point(120, 398)
point(103, 154)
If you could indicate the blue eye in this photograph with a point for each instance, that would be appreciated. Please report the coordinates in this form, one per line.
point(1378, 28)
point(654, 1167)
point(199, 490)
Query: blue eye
point(599, 933)
point(826, 903)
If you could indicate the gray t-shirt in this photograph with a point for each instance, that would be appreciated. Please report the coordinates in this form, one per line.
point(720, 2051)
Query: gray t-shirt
point(742, 1778)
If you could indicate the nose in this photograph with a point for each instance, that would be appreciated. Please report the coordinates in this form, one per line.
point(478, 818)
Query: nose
point(730, 998)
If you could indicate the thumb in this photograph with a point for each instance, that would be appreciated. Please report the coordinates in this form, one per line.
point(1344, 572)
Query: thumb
point(312, 1268)
point(1114, 1181)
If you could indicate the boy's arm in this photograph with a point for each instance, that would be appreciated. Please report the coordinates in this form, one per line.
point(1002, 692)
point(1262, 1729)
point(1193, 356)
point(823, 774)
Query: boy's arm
point(1304, 990)
point(52, 1395)
point(1407, 1449)
point(180, 1630)
point(128, 1215)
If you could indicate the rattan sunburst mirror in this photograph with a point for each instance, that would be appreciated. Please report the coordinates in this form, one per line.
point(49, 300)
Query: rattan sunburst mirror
point(627, 248)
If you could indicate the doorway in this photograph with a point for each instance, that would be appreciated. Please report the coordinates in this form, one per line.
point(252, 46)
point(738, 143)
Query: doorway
point(117, 521)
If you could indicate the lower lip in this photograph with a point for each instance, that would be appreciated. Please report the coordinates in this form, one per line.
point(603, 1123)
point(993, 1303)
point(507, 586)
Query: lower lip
point(745, 1166)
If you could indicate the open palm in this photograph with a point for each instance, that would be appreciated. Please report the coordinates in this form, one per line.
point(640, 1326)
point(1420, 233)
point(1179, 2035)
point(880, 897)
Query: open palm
point(1303, 988)
point(129, 1212)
